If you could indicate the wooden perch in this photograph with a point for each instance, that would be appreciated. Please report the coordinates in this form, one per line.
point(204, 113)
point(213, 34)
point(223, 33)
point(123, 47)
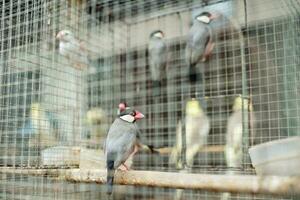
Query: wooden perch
point(205, 149)
point(273, 185)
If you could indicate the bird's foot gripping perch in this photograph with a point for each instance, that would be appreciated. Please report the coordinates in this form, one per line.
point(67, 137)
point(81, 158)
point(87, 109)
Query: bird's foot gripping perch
point(123, 167)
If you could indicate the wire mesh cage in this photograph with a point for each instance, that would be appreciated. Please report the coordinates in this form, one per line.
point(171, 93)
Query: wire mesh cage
point(208, 92)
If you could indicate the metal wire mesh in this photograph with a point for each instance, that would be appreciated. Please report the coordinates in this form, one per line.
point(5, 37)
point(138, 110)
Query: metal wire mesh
point(56, 109)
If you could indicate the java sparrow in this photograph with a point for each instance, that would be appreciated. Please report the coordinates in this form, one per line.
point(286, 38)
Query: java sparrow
point(199, 43)
point(148, 148)
point(72, 48)
point(157, 49)
point(197, 127)
point(121, 142)
point(234, 132)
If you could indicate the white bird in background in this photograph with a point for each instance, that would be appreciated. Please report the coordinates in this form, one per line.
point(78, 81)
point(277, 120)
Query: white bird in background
point(197, 127)
point(96, 120)
point(175, 157)
point(73, 49)
point(95, 116)
point(42, 124)
point(38, 117)
point(234, 135)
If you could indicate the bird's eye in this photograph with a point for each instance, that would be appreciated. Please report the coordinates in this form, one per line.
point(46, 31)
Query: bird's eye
point(133, 113)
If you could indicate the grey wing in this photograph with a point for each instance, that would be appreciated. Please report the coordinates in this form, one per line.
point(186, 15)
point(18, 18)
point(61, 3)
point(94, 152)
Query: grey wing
point(121, 148)
point(126, 147)
point(140, 140)
point(157, 58)
point(198, 38)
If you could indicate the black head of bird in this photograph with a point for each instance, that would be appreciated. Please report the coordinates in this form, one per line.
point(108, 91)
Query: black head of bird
point(157, 34)
point(130, 115)
point(205, 17)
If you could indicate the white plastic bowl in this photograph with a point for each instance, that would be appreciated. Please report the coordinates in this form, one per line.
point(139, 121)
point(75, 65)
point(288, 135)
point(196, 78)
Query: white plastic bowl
point(278, 157)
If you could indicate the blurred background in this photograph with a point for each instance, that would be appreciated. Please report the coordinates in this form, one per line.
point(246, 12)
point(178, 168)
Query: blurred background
point(65, 65)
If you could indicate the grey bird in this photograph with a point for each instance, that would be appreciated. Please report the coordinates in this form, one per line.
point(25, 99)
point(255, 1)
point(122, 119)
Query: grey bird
point(123, 106)
point(199, 43)
point(157, 60)
point(121, 142)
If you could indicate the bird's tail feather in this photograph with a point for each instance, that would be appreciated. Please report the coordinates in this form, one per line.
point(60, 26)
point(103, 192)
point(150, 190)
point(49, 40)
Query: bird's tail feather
point(156, 88)
point(110, 176)
point(194, 74)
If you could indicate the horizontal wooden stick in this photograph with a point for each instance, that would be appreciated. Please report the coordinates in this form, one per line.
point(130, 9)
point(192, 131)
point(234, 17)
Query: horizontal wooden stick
point(273, 185)
point(34, 172)
point(205, 149)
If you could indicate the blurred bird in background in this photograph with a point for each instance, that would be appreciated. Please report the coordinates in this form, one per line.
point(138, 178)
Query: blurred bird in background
point(121, 142)
point(175, 157)
point(41, 127)
point(234, 135)
point(97, 123)
point(197, 127)
point(157, 60)
point(73, 49)
point(199, 44)
point(95, 116)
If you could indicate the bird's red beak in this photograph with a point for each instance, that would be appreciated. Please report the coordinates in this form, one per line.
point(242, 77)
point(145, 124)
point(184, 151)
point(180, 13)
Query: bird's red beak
point(59, 35)
point(214, 16)
point(138, 115)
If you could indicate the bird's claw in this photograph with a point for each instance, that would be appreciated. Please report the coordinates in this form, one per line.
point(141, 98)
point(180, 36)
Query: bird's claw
point(123, 167)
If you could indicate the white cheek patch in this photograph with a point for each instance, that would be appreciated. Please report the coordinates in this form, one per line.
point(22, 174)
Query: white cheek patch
point(159, 35)
point(128, 118)
point(203, 19)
